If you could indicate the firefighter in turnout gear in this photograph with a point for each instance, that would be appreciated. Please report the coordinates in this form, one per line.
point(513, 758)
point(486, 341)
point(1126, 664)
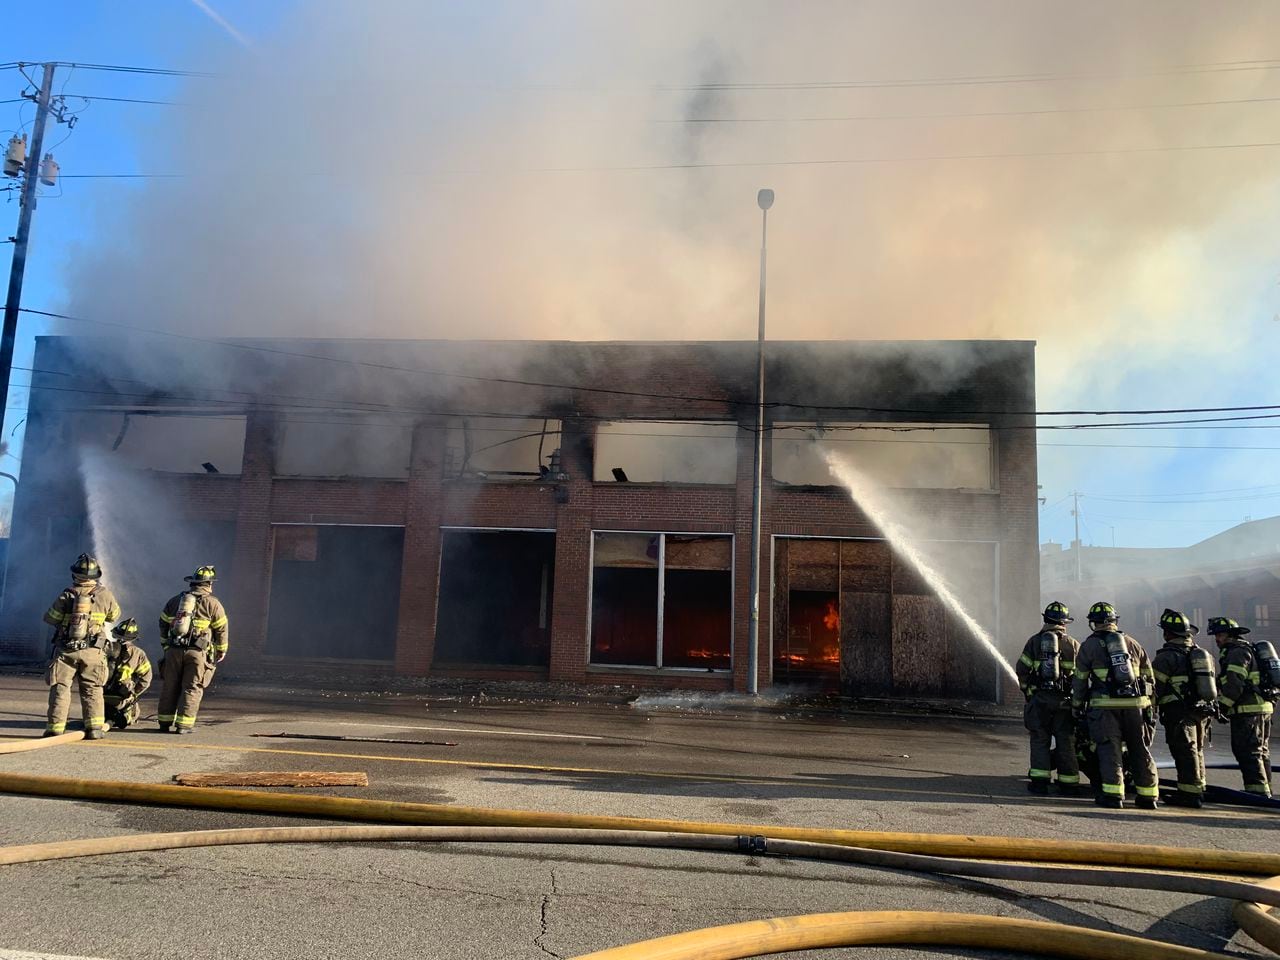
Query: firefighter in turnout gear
point(1186, 696)
point(193, 632)
point(79, 617)
point(1112, 689)
point(128, 675)
point(1246, 701)
point(1045, 671)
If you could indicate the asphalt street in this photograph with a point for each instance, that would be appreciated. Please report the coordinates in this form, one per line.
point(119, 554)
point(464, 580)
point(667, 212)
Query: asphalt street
point(454, 901)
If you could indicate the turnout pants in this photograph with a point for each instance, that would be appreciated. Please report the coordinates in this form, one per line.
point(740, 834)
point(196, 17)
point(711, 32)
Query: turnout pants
point(1114, 731)
point(119, 717)
point(86, 668)
point(1185, 733)
point(184, 674)
point(1251, 744)
point(1053, 739)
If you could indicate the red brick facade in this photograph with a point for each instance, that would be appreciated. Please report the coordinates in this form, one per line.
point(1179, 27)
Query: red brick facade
point(999, 378)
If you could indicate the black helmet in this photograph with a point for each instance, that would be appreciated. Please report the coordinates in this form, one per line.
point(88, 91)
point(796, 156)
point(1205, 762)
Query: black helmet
point(86, 567)
point(204, 574)
point(1176, 623)
point(1057, 613)
point(1102, 612)
point(126, 630)
point(1227, 625)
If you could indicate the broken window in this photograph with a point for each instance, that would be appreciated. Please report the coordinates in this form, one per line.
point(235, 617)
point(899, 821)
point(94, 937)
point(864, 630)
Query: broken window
point(643, 451)
point(500, 448)
point(662, 600)
point(326, 446)
point(495, 598)
point(167, 443)
point(934, 455)
point(335, 591)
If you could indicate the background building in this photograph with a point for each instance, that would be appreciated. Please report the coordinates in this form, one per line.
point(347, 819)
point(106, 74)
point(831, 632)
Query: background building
point(569, 511)
point(1234, 574)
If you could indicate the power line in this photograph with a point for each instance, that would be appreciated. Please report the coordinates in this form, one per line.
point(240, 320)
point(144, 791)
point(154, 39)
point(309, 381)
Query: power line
point(752, 164)
point(261, 348)
point(95, 97)
point(1190, 493)
point(1226, 66)
point(145, 71)
point(982, 113)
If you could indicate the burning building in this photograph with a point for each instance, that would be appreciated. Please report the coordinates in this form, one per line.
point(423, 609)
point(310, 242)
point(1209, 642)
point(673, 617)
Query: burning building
point(568, 511)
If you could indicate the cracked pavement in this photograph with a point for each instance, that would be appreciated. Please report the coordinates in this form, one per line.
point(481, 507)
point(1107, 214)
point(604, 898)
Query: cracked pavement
point(458, 901)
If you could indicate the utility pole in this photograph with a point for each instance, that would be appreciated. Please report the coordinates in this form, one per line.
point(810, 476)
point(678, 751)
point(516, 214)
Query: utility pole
point(1075, 512)
point(764, 200)
point(26, 205)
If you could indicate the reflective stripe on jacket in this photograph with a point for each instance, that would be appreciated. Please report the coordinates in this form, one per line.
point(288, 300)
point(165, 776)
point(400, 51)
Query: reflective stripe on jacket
point(1239, 680)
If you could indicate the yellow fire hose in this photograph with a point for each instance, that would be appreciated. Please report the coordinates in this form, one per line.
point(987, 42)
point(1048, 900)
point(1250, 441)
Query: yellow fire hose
point(385, 811)
point(1258, 921)
point(898, 927)
point(39, 743)
point(896, 850)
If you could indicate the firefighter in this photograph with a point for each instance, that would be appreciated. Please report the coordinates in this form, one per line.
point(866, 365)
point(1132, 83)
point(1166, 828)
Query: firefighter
point(79, 617)
point(1186, 697)
point(1244, 704)
point(193, 632)
point(1045, 672)
point(128, 675)
point(1111, 690)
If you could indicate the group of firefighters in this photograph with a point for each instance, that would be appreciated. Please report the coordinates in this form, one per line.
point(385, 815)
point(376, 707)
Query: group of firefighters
point(110, 669)
point(1092, 707)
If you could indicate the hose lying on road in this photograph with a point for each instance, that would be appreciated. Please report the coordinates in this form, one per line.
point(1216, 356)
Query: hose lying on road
point(756, 938)
point(750, 845)
point(385, 811)
point(1258, 921)
point(39, 743)
point(898, 927)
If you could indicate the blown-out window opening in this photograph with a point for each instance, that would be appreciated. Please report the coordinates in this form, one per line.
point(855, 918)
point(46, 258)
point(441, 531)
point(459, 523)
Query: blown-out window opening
point(662, 600)
point(503, 448)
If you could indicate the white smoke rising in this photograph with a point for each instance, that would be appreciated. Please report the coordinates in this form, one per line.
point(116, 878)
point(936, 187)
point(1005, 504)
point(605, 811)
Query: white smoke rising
point(428, 169)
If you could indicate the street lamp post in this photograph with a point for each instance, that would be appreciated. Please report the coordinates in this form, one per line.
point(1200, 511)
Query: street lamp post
point(765, 200)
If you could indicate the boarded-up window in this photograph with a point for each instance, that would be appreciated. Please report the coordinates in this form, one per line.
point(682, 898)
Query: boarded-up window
point(174, 443)
point(500, 448)
point(657, 452)
point(662, 600)
point(901, 455)
point(324, 446)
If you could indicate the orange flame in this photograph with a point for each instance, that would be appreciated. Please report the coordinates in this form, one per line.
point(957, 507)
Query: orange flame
point(832, 620)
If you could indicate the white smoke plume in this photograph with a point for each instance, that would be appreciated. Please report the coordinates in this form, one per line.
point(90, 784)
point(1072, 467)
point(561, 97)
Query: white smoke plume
point(413, 169)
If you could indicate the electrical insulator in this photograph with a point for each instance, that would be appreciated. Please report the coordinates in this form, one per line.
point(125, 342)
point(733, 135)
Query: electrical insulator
point(15, 156)
point(49, 171)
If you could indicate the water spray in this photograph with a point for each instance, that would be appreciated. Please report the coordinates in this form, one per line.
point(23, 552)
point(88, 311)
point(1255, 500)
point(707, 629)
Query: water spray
point(864, 494)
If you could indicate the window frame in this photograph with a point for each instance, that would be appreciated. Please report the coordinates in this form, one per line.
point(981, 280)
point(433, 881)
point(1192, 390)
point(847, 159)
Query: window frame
point(733, 429)
point(810, 426)
point(661, 601)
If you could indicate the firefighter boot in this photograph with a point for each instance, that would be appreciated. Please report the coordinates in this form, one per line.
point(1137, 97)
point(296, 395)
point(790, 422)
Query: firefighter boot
point(1039, 787)
point(1147, 803)
point(1180, 798)
point(1070, 789)
point(1109, 800)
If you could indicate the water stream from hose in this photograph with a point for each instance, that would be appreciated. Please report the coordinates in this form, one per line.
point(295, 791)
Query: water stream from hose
point(866, 496)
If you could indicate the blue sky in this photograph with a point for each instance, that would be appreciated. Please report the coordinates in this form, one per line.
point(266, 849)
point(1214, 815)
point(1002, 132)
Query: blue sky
point(1191, 323)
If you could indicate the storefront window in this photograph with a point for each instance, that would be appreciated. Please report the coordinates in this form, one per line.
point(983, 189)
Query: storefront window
point(662, 600)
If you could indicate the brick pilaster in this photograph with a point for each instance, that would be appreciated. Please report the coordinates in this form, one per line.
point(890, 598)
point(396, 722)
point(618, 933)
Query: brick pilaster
point(420, 573)
point(569, 640)
point(249, 598)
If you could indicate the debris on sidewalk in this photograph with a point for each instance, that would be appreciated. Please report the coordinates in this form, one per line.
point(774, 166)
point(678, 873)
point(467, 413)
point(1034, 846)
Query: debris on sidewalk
point(297, 778)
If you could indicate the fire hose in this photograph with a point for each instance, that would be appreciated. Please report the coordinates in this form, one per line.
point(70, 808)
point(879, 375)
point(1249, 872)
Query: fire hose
point(895, 851)
point(38, 743)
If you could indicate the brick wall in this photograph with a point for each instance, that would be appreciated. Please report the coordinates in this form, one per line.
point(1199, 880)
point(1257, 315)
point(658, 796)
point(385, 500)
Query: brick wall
point(713, 381)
